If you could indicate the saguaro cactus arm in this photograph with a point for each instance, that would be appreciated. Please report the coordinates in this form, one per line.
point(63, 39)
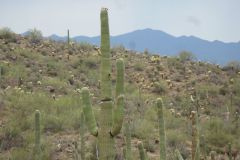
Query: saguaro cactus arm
point(118, 111)
point(120, 77)
point(118, 116)
point(162, 135)
point(88, 112)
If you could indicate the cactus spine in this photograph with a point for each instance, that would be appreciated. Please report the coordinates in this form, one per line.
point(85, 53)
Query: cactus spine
point(162, 135)
point(195, 136)
point(110, 121)
point(141, 150)
point(37, 147)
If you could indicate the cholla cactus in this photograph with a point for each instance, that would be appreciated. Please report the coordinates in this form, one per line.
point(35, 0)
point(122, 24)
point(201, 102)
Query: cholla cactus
point(111, 119)
point(162, 135)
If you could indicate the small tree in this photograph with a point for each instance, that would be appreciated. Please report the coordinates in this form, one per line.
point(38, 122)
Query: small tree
point(235, 65)
point(35, 35)
point(186, 56)
point(7, 33)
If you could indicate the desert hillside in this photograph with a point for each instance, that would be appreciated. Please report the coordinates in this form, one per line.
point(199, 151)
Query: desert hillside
point(41, 74)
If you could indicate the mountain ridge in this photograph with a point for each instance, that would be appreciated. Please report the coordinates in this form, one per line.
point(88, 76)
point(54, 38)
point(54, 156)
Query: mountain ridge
point(162, 43)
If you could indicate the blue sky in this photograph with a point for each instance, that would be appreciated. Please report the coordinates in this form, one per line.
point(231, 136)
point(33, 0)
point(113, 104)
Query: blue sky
point(207, 19)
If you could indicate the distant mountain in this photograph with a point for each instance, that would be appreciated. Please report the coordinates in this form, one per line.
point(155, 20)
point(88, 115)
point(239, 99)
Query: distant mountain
point(165, 44)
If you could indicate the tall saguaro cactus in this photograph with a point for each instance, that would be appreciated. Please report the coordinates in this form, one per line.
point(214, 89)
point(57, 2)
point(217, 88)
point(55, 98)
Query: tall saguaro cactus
point(68, 37)
point(37, 147)
point(162, 135)
point(195, 137)
point(111, 117)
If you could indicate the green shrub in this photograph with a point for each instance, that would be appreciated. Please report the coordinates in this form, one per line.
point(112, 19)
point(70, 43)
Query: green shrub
point(160, 87)
point(186, 56)
point(34, 35)
point(138, 66)
point(6, 33)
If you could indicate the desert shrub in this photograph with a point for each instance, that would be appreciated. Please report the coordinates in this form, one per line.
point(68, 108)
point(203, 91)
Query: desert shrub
point(149, 145)
point(138, 66)
point(236, 87)
point(85, 46)
point(186, 56)
point(142, 129)
point(118, 48)
point(146, 52)
point(234, 65)
point(91, 62)
point(175, 138)
point(20, 153)
point(217, 134)
point(160, 87)
point(53, 123)
point(34, 35)
point(6, 33)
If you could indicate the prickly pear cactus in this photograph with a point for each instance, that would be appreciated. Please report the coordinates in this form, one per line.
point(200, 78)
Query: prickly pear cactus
point(111, 119)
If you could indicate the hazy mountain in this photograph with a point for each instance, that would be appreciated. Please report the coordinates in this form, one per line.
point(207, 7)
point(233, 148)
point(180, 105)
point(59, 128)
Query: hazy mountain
point(165, 44)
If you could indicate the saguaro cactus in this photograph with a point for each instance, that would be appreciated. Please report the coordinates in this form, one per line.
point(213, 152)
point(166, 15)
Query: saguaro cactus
point(229, 151)
point(128, 153)
point(37, 147)
point(195, 136)
point(162, 135)
point(141, 150)
point(110, 121)
point(68, 37)
point(178, 155)
point(82, 137)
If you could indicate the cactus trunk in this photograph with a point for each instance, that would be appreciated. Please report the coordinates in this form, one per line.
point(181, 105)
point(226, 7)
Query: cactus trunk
point(82, 132)
point(195, 137)
point(68, 37)
point(128, 153)
point(162, 135)
point(142, 152)
point(37, 147)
